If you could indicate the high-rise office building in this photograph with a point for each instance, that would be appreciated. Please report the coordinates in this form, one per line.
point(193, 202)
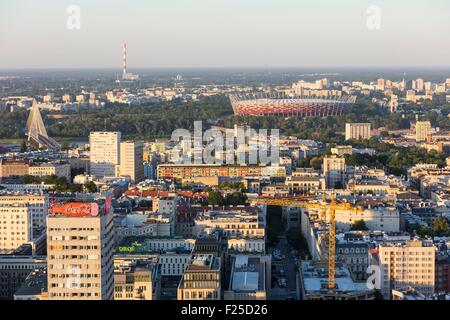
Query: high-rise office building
point(419, 84)
point(423, 129)
point(104, 153)
point(357, 131)
point(131, 160)
point(410, 264)
point(80, 246)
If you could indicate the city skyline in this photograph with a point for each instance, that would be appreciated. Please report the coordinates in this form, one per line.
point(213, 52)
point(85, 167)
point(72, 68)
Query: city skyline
point(224, 34)
point(235, 151)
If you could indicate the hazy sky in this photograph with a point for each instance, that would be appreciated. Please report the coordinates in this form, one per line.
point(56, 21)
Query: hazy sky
point(224, 33)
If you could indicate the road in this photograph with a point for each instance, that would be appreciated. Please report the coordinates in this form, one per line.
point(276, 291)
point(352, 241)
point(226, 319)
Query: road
point(288, 265)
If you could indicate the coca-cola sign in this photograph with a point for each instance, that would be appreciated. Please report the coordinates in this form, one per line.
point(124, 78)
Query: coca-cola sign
point(76, 209)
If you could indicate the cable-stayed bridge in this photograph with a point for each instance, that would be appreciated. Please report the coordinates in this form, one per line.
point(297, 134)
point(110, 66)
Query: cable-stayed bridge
point(36, 132)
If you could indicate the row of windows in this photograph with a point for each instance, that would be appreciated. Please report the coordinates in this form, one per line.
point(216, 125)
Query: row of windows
point(21, 221)
point(75, 257)
point(74, 294)
point(201, 295)
point(73, 229)
point(73, 266)
point(73, 238)
point(61, 247)
point(82, 276)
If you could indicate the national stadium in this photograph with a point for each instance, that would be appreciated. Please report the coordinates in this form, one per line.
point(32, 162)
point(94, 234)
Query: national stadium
point(281, 105)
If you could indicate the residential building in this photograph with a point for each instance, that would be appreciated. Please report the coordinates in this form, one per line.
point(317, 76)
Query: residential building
point(423, 130)
point(354, 254)
point(187, 171)
point(17, 226)
point(37, 204)
point(407, 264)
point(133, 282)
point(14, 269)
point(58, 169)
point(11, 168)
point(131, 160)
point(334, 171)
point(357, 131)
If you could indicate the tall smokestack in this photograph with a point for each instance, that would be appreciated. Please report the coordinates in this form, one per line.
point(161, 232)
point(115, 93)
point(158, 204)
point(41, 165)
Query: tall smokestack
point(124, 58)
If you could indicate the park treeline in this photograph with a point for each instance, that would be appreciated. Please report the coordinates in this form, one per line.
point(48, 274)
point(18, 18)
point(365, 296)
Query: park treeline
point(159, 120)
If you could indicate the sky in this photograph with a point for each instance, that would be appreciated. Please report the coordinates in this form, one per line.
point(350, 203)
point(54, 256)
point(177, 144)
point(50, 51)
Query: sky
point(225, 33)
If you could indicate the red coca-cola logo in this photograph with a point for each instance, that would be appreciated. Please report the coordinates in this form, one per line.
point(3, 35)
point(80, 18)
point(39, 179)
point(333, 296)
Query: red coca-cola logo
point(77, 209)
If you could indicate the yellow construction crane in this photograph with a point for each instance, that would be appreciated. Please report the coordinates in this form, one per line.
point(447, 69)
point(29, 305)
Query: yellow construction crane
point(324, 207)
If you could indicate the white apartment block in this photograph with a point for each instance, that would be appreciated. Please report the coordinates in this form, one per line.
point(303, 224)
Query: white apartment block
point(410, 264)
point(15, 225)
point(423, 130)
point(104, 153)
point(37, 205)
point(357, 131)
point(386, 219)
point(131, 160)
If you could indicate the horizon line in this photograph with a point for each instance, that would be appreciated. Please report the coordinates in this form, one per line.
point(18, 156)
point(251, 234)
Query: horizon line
point(231, 67)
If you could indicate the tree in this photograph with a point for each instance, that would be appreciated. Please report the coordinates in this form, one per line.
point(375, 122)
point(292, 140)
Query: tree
point(215, 198)
point(377, 295)
point(23, 147)
point(316, 162)
point(338, 185)
point(145, 204)
point(235, 199)
point(440, 227)
point(91, 187)
point(297, 241)
point(275, 226)
point(359, 225)
point(65, 145)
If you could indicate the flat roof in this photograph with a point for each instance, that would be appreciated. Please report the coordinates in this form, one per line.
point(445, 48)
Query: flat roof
point(245, 281)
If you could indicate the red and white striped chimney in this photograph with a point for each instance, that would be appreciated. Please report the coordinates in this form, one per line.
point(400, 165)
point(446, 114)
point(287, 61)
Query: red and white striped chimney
point(124, 58)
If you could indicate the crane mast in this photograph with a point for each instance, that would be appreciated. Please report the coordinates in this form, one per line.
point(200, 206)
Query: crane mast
point(324, 208)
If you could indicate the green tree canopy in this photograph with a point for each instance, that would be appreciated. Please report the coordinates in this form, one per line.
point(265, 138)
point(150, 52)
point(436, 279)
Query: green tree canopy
point(359, 225)
point(215, 198)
